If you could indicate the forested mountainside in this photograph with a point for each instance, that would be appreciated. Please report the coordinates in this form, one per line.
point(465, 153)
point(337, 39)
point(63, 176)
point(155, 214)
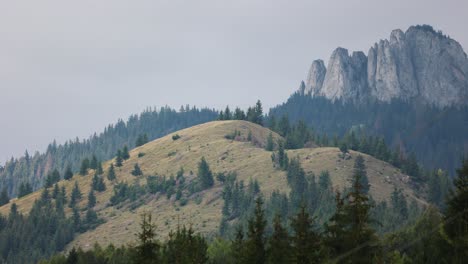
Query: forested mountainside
point(411, 88)
point(437, 136)
point(207, 177)
point(29, 171)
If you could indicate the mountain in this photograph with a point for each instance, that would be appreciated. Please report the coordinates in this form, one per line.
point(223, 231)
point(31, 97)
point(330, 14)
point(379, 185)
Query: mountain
point(411, 89)
point(419, 64)
point(203, 209)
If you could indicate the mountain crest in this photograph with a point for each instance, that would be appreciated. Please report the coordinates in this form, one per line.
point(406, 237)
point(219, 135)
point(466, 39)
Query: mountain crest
point(417, 64)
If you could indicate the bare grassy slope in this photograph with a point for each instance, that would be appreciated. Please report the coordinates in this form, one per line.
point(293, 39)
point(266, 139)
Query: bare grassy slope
point(166, 156)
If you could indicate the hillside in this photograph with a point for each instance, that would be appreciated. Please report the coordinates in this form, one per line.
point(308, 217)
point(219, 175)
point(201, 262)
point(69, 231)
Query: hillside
point(165, 156)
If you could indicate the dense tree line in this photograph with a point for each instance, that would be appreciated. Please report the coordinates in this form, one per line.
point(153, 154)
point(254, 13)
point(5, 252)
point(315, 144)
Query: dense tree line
point(150, 124)
point(254, 114)
point(436, 136)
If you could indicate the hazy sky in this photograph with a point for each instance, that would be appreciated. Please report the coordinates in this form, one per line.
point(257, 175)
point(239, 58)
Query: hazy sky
point(68, 68)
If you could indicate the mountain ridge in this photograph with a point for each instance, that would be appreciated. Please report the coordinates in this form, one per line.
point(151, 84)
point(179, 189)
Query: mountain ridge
point(419, 64)
point(165, 156)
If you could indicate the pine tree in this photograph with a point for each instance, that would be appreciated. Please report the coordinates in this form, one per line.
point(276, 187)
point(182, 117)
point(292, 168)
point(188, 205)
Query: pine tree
point(147, 249)
point(93, 163)
point(4, 199)
point(456, 215)
point(227, 114)
point(358, 231)
point(98, 183)
point(24, 189)
point(238, 246)
point(118, 159)
point(360, 168)
point(75, 195)
point(279, 247)
point(258, 113)
point(56, 191)
point(270, 145)
point(99, 169)
point(255, 244)
point(125, 154)
point(205, 176)
point(335, 229)
point(91, 199)
point(111, 173)
point(136, 170)
point(84, 166)
point(76, 218)
point(141, 140)
point(68, 173)
point(306, 243)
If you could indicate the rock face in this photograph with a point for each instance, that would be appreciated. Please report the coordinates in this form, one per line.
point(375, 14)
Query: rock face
point(315, 77)
point(417, 64)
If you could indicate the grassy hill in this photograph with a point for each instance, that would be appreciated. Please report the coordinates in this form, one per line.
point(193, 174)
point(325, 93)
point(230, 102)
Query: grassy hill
point(165, 156)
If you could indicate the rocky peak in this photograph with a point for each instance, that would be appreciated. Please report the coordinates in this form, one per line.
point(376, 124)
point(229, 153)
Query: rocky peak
point(315, 77)
point(346, 75)
point(417, 64)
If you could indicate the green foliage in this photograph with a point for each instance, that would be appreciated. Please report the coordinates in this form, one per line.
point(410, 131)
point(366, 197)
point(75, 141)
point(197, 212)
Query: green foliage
point(52, 177)
point(4, 199)
point(175, 137)
point(255, 248)
point(93, 164)
point(136, 170)
point(360, 171)
point(84, 166)
point(205, 176)
point(306, 242)
point(184, 246)
point(270, 145)
point(279, 246)
point(456, 216)
point(98, 183)
point(91, 199)
point(118, 159)
point(141, 140)
point(125, 153)
point(147, 249)
point(76, 195)
point(68, 174)
point(24, 189)
point(111, 173)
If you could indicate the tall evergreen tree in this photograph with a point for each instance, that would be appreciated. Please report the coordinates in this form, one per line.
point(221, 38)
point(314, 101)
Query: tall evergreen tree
point(111, 173)
point(91, 199)
point(75, 195)
point(270, 145)
point(4, 199)
point(279, 248)
point(118, 159)
point(99, 169)
point(68, 173)
point(360, 168)
point(255, 244)
point(205, 176)
point(84, 166)
point(238, 246)
point(136, 170)
point(93, 164)
point(456, 215)
point(125, 154)
point(147, 249)
point(359, 233)
point(306, 242)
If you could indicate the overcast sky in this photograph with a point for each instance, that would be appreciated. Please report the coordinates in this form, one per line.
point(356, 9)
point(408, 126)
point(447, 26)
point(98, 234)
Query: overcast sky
point(68, 68)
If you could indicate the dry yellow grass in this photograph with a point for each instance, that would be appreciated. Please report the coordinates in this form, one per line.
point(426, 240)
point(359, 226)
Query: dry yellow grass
point(166, 156)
